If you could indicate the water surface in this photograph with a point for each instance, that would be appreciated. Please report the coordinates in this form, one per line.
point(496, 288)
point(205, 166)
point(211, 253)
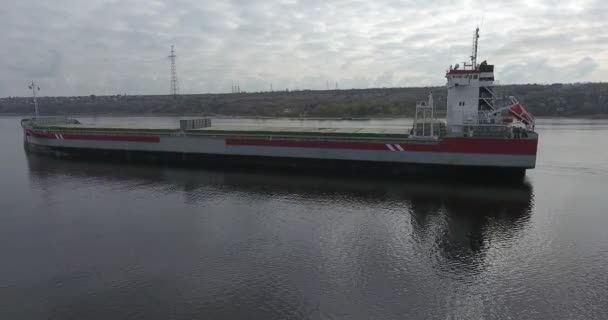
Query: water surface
point(92, 240)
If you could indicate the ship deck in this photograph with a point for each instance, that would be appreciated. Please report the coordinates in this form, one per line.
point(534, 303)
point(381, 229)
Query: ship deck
point(245, 130)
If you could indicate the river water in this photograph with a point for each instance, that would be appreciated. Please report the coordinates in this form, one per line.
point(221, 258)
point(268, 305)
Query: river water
point(91, 240)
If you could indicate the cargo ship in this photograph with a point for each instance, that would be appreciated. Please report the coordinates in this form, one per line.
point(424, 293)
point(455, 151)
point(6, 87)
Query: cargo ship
point(481, 134)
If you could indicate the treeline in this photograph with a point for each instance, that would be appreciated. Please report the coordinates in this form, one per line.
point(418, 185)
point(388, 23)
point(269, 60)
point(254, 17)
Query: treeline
point(586, 99)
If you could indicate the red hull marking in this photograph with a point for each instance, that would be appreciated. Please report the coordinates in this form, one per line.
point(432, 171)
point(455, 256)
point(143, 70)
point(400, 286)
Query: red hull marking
point(479, 145)
point(40, 134)
point(93, 137)
point(110, 138)
point(307, 144)
point(448, 145)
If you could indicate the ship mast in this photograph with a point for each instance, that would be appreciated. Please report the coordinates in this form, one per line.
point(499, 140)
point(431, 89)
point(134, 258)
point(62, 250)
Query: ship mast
point(474, 53)
point(35, 88)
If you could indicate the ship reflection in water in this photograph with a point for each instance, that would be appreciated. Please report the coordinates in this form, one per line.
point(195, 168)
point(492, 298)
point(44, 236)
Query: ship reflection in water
point(263, 245)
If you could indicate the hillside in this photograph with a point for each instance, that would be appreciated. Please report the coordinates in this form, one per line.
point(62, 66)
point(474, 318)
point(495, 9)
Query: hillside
point(588, 99)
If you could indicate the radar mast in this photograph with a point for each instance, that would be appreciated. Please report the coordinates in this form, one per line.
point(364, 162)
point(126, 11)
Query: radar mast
point(474, 53)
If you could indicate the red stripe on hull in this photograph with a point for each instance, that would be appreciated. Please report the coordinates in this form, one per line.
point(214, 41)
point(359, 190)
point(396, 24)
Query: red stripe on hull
point(40, 135)
point(307, 144)
point(111, 138)
point(449, 145)
point(93, 137)
point(479, 145)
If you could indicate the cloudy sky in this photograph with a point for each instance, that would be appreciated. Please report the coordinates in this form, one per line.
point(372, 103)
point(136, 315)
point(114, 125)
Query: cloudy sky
point(77, 47)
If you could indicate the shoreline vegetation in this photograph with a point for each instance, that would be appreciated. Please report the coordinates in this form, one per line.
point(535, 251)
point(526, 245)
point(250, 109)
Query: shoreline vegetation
point(581, 100)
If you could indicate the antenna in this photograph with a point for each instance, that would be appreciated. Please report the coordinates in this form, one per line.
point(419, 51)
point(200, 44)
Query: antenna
point(174, 85)
point(475, 43)
point(34, 88)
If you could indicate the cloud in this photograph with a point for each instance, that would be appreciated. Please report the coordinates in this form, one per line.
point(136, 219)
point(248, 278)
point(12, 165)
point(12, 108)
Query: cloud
point(37, 63)
point(107, 47)
point(534, 70)
point(385, 79)
point(584, 67)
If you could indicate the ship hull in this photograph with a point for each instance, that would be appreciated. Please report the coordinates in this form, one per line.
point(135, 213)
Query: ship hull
point(287, 164)
point(464, 156)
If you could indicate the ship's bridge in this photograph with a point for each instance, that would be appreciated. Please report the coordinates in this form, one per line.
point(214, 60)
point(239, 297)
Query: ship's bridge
point(470, 92)
point(463, 97)
point(461, 77)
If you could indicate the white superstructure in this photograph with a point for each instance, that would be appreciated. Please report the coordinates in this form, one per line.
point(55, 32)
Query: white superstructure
point(472, 103)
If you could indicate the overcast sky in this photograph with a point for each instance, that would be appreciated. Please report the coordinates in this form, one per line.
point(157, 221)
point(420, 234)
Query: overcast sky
point(82, 47)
